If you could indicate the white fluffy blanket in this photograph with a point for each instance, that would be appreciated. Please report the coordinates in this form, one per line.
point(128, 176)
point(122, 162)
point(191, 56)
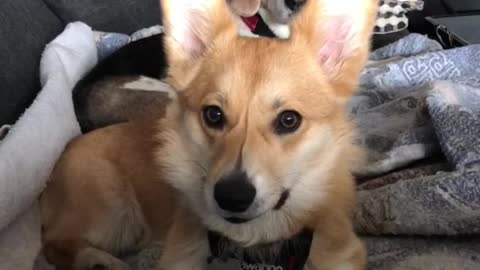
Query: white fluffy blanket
point(32, 146)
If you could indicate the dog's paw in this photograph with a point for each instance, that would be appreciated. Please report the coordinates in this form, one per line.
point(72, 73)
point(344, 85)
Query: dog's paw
point(112, 265)
point(95, 259)
point(99, 267)
point(115, 266)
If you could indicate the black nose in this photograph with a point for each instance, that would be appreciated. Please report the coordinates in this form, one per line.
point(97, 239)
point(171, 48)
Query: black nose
point(234, 192)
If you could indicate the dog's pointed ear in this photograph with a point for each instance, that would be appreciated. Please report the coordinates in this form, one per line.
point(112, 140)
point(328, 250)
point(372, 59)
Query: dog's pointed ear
point(338, 32)
point(190, 27)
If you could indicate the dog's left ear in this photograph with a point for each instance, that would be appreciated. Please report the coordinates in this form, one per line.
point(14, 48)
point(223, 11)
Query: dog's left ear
point(338, 32)
point(190, 28)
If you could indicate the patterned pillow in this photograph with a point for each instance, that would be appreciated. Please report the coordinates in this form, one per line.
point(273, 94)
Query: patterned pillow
point(108, 43)
point(392, 15)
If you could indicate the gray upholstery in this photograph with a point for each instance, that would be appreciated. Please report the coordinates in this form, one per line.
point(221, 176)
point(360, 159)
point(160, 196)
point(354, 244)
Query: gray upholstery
point(124, 16)
point(25, 27)
point(462, 5)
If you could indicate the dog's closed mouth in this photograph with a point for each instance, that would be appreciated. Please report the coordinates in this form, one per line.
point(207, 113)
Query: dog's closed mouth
point(283, 199)
point(237, 220)
point(281, 202)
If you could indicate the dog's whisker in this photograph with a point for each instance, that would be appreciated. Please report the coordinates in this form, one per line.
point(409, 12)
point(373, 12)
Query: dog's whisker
point(199, 165)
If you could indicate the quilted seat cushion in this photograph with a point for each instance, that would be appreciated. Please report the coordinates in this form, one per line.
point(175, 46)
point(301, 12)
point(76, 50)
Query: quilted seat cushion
point(26, 26)
point(122, 16)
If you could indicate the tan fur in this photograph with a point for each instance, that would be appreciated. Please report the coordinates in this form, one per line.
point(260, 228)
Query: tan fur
point(245, 8)
point(126, 185)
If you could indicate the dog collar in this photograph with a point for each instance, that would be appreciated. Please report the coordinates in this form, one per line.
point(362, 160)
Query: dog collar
point(257, 26)
point(291, 254)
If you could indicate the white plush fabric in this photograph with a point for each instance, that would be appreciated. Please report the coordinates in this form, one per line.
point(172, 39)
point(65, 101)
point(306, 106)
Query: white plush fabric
point(32, 146)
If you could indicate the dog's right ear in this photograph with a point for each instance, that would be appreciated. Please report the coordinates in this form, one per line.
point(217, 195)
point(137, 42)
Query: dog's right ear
point(190, 28)
point(338, 32)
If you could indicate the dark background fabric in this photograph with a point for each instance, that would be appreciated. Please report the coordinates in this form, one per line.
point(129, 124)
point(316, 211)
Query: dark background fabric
point(417, 21)
point(439, 7)
point(456, 6)
point(123, 16)
point(25, 27)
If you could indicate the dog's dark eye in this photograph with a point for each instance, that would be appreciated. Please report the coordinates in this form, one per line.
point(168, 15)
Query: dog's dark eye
point(287, 122)
point(213, 117)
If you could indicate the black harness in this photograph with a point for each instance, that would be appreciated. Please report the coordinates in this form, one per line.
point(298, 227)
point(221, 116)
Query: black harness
point(292, 253)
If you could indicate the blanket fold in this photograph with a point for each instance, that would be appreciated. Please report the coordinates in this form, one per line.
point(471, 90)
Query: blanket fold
point(31, 147)
point(418, 113)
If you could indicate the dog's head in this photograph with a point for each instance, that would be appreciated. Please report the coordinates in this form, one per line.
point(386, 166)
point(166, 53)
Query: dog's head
point(258, 140)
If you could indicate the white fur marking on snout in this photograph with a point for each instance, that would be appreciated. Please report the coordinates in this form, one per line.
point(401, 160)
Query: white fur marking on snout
point(149, 84)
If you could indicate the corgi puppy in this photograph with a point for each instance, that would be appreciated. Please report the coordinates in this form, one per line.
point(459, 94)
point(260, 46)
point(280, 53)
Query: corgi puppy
point(254, 148)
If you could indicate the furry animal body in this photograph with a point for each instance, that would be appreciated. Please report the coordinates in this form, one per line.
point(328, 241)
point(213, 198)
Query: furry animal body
point(248, 147)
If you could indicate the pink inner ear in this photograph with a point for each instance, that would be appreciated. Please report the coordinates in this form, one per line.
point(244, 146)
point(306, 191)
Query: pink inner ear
point(333, 47)
point(194, 45)
point(189, 26)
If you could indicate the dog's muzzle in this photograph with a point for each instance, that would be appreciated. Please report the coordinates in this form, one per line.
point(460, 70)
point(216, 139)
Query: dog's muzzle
point(234, 192)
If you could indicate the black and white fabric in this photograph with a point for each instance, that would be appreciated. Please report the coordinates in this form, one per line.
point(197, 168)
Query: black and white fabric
point(264, 24)
point(261, 25)
point(391, 23)
point(392, 15)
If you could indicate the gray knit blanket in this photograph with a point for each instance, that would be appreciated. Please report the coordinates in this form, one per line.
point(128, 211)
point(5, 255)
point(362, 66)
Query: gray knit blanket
point(418, 116)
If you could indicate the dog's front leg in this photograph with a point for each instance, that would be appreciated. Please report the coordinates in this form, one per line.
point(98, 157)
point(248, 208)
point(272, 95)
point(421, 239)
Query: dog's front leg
point(336, 247)
point(186, 246)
